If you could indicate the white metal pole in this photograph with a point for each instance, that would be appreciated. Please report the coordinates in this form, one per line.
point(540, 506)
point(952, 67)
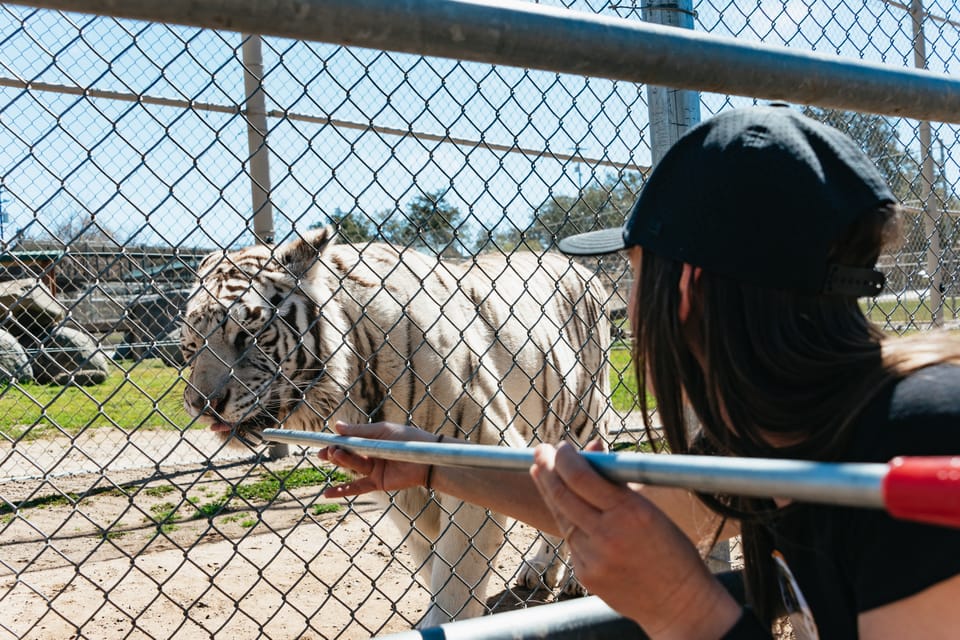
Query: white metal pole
point(524, 34)
point(256, 112)
point(259, 164)
point(672, 111)
point(919, 488)
point(842, 484)
point(927, 207)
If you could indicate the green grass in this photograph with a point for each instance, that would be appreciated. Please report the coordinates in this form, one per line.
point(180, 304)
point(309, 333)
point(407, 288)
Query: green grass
point(269, 485)
point(144, 395)
point(623, 380)
point(165, 515)
point(907, 313)
point(148, 395)
point(327, 507)
point(159, 491)
point(211, 509)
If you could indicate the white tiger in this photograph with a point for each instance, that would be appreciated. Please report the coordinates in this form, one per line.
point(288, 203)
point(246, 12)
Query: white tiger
point(494, 350)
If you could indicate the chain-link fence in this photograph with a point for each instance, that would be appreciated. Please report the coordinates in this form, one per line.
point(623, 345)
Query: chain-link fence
point(130, 150)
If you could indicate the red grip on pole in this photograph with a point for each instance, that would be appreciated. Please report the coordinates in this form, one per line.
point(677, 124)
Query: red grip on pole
point(925, 489)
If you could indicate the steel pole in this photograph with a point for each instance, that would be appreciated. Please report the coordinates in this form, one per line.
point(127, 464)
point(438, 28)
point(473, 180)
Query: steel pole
point(673, 112)
point(840, 484)
point(919, 488)
point(256, 113)
point(927, 193)
point(523, 34)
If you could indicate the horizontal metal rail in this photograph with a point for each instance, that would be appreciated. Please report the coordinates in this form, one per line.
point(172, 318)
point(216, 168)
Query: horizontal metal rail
point(919, 488)
point(285, 114)
point(851, 484)
point(586, 618)
point(524, 34)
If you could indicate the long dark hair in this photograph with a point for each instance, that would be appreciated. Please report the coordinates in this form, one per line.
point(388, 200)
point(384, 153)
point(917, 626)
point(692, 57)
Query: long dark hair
point(771, 364)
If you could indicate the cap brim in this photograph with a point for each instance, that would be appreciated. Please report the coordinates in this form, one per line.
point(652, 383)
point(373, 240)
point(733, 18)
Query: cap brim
point(593, 243)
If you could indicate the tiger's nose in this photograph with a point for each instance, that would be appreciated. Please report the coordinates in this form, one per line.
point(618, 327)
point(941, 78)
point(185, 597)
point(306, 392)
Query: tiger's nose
point(199, 403)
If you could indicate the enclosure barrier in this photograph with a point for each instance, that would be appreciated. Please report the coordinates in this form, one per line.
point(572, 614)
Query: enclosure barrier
point(912, 488)
point(566, 41)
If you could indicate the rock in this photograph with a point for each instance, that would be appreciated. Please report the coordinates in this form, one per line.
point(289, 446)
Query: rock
point(14, 361)
point(83, 378)
point(152, 327)
point(68, 352)
point(28, 309)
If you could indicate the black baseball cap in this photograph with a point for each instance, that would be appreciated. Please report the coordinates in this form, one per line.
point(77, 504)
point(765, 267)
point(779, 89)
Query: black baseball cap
point(758, 194)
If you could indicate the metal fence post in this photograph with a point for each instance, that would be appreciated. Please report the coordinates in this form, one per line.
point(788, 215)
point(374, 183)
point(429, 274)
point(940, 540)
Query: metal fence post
point(672, 111)
point(927, 193)
point(256, 112)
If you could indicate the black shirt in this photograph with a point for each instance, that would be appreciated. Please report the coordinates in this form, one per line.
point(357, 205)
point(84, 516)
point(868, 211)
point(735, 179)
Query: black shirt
point(847, 560)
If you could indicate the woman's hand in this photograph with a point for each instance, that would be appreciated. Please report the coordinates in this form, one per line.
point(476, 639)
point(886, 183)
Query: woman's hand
point(628, 552)
point(377, 474)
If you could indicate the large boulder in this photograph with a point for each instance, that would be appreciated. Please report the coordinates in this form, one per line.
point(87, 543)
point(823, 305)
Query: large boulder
point(152, 327)
point(14, 361)
point(68, 356)
point(28, 310)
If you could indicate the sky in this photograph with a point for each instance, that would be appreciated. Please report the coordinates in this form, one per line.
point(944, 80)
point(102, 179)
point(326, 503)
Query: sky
point(164, 175)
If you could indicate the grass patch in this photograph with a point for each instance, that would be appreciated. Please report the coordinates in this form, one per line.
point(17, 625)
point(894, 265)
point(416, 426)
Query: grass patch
point(269, 486)
point(211, 509)
point(908, 313)
point(623, 381)
point(159, 491)
point(43, 502)
point(164, 511)
point(165, 515)
point(136, 395)
point(319, 509)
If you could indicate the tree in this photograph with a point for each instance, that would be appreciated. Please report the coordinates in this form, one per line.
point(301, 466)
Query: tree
point(353, 226)
point(72, 228)
point(429, 223)
point(598, 205)
point(881, 142)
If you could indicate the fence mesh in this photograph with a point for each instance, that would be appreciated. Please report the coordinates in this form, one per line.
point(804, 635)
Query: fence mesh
point(127, 155)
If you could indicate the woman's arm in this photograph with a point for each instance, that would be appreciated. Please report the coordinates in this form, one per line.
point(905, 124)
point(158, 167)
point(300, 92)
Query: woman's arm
point(931, 614)
point(511, 493)
point(508, 492)
point(625, 548)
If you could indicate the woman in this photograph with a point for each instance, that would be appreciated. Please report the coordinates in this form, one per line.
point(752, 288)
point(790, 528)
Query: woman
point(750, 244)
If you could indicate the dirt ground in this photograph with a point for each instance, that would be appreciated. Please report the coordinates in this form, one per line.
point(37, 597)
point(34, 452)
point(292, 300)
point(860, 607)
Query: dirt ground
point(134, 551)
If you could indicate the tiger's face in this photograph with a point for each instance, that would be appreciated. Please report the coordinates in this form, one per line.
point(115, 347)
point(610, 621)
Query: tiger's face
point(253, 337)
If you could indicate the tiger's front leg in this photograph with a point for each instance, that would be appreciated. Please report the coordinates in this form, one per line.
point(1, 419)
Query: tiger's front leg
point(460, 565)
point(548, 566)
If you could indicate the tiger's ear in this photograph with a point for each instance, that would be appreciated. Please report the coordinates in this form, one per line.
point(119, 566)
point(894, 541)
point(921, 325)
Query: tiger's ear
point(209, 261)
point(302, 253)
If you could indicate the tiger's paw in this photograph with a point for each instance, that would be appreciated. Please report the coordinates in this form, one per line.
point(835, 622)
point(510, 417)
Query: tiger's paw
point(572, 587)
point(538, 572)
